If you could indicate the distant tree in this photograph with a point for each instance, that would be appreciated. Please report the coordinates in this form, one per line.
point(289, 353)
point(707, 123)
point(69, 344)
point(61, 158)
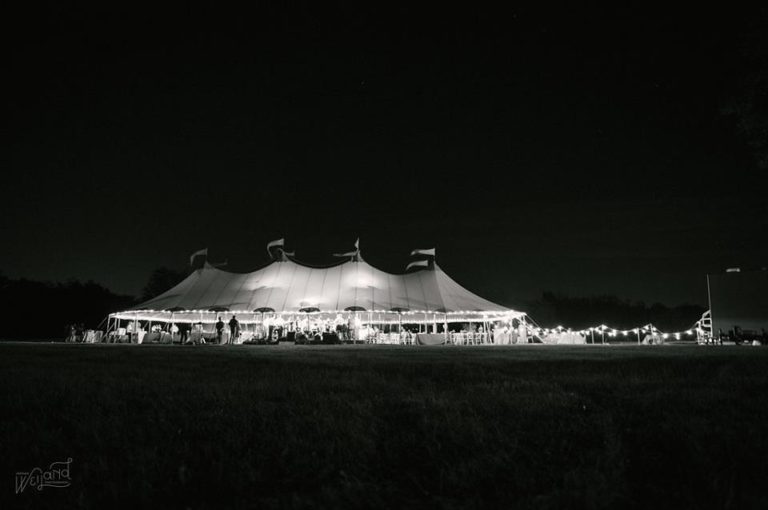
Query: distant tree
point(162, 279)
point(43, 309)
point(558, 309)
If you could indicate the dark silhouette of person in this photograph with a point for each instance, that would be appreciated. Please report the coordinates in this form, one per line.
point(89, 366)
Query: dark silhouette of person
point(184, 332)
point(219, 330)
point(234, 329)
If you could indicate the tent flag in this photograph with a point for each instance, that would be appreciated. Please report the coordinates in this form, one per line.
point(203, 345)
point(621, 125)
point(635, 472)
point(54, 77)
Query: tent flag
point(203, 252)
point(357, 244)
point(272, 244)
point(430, 252)
point(417, 263)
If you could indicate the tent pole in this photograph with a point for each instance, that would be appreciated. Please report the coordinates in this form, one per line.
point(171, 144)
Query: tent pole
point(711, 316)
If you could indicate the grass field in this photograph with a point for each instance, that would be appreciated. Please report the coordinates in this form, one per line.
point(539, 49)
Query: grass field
point(387, 427)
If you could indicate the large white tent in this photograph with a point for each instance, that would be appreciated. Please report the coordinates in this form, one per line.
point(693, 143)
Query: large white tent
point(286, 286)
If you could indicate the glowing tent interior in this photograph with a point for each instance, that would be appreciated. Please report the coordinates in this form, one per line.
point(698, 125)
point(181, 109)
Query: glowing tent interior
point(289, 291)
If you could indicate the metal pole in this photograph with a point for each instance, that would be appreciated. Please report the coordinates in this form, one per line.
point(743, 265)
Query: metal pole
point(711, 315)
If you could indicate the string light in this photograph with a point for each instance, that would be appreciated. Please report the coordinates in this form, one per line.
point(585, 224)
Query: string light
point(613, 332)
point(474, 316)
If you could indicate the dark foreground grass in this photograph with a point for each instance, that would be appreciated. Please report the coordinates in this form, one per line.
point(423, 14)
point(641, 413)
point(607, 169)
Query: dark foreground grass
point(263, 427)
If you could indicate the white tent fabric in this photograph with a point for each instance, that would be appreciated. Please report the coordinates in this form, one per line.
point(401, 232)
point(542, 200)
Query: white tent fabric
point(287, 286)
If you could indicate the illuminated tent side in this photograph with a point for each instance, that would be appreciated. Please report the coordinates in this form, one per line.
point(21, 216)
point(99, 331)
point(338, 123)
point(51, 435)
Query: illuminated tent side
point(288, 287)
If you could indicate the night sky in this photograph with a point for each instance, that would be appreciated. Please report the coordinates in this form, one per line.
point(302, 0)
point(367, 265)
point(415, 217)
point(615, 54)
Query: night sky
point(587, 151)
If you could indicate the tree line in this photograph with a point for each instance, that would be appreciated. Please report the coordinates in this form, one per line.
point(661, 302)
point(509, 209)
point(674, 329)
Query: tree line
point(35, 309)
point(554, 309)
point(44, 310)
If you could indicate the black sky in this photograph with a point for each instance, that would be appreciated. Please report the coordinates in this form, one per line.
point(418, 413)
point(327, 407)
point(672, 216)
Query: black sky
point(582, 150)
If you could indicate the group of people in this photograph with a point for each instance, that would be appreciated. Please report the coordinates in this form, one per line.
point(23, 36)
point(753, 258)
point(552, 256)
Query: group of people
point(189, 333)
point(186, 337)
point(76, 332)
point(234, 330)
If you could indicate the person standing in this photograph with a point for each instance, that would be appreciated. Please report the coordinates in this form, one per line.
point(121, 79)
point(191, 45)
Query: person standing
point(522, 333)
point(184, 333)
point(234, 329)
point(219, 331)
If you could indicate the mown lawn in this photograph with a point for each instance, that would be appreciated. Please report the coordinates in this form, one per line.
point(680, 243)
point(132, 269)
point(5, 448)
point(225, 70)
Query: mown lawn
point(387, 427)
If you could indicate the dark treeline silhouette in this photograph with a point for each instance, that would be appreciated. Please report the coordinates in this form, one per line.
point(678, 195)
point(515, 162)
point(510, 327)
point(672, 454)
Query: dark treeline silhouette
point(558, 309)
point(43, 310)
